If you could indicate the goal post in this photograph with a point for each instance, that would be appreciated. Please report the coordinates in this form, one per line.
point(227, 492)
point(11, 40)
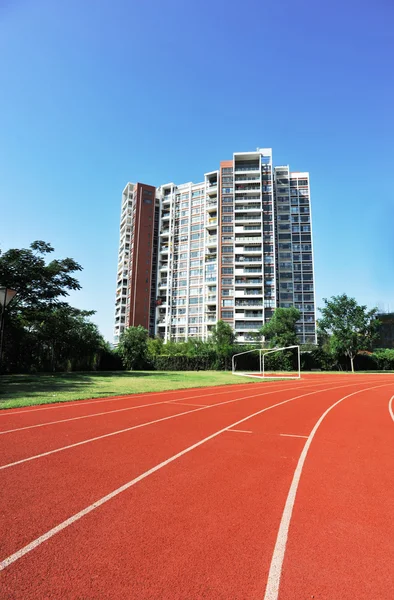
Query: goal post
point(273, 363)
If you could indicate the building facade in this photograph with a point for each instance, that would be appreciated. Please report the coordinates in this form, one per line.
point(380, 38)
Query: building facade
point(233, 247)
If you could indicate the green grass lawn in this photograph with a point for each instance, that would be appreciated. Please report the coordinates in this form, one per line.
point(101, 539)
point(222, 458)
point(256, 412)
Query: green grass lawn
point(44, 388)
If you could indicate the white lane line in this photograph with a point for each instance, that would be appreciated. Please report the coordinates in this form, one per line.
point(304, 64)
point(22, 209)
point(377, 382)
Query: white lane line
point(240, 430)
point(109, 412)
point(118, 410)
point(175, 403)
point(9, 412)
point(46, 536)
point(275, 572)
point(293, 435)
point(391, 407)
point(119, 431)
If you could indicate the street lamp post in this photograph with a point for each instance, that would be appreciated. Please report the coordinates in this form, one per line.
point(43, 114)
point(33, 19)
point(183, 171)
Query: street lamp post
point(6, 295)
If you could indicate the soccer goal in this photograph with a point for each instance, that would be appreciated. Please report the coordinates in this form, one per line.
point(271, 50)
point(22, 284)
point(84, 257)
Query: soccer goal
point(274, 363)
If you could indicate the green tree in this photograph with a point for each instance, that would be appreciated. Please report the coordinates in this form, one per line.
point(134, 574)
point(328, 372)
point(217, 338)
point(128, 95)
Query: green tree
point(42, 330)
point(351, 326)
point(39, 284)
point(223, 338)
point(133, 347)
point(280, 331)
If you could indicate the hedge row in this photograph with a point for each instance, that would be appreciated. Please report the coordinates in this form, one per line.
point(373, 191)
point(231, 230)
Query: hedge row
point(316, 359)
point(184, 363)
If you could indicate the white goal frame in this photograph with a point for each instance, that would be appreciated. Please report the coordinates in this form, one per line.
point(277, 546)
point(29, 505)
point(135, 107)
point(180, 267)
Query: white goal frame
point(262, 374)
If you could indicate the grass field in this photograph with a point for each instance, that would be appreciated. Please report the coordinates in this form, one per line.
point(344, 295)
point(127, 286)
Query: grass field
point(44, 388)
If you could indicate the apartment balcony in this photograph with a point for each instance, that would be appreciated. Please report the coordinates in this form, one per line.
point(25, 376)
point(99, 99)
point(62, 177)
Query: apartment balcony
point(256, 308)
point(210, 299)
point(246, 218)
point(247, 198)
point(211, 320)
point(241, 228)
point(163, 283)
point(163, 268)
point(211, 223)
point(247, 208)
point(164, 232)
point(249, 240)
point(247, 338)
point(165, 217)
point(247, 259)
point(241, 270)
point(247, 186)
point(212, 206)
point(212, 189)
point(247, 326)
point(246, 169)
point(212, 240)
point(247, 294)
point(249, 315)
point(249, 249)
point(246, 179)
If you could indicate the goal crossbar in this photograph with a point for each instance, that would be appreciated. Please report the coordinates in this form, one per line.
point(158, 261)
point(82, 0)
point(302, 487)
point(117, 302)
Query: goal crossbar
point(262, 373)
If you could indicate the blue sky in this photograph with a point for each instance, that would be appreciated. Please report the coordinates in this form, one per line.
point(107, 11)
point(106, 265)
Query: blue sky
point(95, 94)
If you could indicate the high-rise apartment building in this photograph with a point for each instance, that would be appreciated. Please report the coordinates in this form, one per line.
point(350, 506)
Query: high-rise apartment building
point(233, 247)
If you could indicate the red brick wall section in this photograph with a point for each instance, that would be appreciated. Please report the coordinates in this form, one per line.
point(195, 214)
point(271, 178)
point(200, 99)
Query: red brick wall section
point(141, 267)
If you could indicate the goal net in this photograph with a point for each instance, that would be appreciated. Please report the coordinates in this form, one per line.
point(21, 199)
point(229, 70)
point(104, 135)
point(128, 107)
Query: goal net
point(273, 363)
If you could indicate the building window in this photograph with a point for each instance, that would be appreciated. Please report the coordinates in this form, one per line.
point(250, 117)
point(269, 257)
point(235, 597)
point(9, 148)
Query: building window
point(227, 302)
point(227, 271)
point(227, 314)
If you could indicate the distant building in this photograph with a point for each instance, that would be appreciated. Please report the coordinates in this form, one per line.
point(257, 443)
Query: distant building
point(234, 247)
point(386, 331)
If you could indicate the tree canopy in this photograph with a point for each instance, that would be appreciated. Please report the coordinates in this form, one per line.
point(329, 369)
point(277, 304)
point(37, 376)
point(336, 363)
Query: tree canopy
point(43, 332)
point(351, 327)
point(280, 331)
point(133, 347)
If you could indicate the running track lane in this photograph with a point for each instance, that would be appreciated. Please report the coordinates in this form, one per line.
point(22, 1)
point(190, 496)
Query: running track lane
point(28, 440)
point(341, 537)
point(215, 532)
point(30, 415)
point(57, 485)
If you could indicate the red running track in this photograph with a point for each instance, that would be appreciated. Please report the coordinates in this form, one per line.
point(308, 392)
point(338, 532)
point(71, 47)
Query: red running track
point(262, 494)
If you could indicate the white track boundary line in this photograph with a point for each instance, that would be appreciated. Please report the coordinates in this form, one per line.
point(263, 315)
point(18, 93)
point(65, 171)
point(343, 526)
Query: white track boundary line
point(175, 403)
point(239, 431)
point(6, 412)
point(293, 435)
point(119, 431)
point(275, 572)
point(140, 425)
point(49, 534)
point(110, 412)
point(391, 407)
